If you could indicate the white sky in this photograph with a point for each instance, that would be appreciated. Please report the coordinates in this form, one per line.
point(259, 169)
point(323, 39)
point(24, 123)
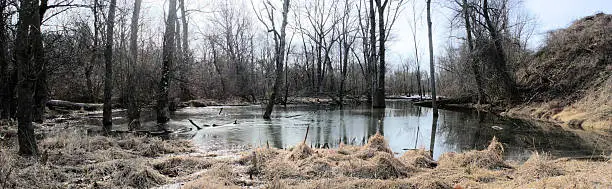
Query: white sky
point(548, 14)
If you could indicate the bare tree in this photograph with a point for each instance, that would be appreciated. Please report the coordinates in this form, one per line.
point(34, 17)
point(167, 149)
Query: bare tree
point(372, 58)
point(416, 49)
point(28, 55)
point(432, 71)
point(473, 62)
point(163, 113)
point(108, 77)
point(133, 107)
point(279, 49)
point(500, 60)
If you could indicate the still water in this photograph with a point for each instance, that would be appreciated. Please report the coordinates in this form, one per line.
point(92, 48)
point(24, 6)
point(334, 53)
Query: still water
point(404, 126)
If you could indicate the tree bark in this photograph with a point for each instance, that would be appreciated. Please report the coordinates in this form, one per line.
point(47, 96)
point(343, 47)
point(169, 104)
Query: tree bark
point(41, 91)
point(163, 113)
point(28, 49)
point(432, 71)
point(473, 62)
point(108, 76)
point(279, 58)
point(133, 107)
point(379, 94)
point(6, 94)
point(94, 56)
point(185, 54)
point(372, 58)
point(499, 63)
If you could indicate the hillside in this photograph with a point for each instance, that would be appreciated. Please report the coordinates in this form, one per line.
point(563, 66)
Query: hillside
point(569, 80)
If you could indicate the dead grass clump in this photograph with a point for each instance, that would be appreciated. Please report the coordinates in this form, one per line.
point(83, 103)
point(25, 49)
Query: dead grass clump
point(258, 155)
point(100, 143)
point(133, 173)
point(276, 184)
point(348, 182)
point(538, 166)
point(418, 158)
point(180, 166)
point(490, 158)
point(154, 147)
point(6, 169)
point(208, 181)
point(377, 142)
point(348, 150)
point(382, 166)
point(315, 167)
point(301, 151)
point(37, 175)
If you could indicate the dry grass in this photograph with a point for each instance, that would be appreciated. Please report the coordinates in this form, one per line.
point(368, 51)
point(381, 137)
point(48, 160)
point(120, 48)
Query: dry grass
point(538, 166)
point(569, 79)
point(418, 158)
point(181, 166)
point(301, 151)
point(75, 160)
point(302, 167)
point(490, 158)
point(378, 143)
point(348, 167)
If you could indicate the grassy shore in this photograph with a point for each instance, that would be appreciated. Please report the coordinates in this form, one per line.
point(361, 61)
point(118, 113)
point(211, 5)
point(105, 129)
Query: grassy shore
point(72, 159)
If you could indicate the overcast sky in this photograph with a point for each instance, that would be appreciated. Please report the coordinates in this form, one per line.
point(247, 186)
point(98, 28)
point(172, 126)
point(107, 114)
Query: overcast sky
point(548, 15)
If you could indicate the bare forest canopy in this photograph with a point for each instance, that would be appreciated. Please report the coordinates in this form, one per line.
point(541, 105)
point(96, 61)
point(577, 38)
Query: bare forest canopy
point(111, 52)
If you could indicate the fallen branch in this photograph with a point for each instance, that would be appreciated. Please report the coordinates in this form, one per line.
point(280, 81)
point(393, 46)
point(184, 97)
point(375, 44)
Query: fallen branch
point(66, 105)
point(193, 123)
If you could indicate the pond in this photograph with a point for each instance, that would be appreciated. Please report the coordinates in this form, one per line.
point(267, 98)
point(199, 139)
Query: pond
point(404, 125)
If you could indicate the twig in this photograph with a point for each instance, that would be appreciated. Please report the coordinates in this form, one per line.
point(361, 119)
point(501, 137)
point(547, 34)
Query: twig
point(194, 124)
point(306, 136)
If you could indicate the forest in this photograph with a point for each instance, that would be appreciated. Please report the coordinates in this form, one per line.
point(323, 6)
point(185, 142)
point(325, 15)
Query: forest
point(302, 94)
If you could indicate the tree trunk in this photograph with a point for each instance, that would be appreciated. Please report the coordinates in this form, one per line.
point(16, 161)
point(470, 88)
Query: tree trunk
point(500, 58)
point(6, 94)
point(40, 93)
point(473, 63)
point(185, 54)
point(132, 106)
point(379, 94)
point(218, 69)
point(372, 61)
point(432, 71)
point(163, 113)
point(28, 51)
point(108, 76)
point(94, 55)
point(279, 58)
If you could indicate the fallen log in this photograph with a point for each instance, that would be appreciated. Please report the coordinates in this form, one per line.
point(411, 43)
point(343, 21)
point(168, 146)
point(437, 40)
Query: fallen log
point(67, 105)
point(443, 102)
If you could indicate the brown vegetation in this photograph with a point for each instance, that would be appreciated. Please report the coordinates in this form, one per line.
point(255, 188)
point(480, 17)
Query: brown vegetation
point(348, 167)
point(569, 79)
point(74, 160)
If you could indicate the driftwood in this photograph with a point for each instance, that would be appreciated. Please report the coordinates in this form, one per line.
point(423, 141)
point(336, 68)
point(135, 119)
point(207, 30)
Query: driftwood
point(66, 105)
point(444, 102)
point(193, 123)
point(152, 133)
point(205, 125)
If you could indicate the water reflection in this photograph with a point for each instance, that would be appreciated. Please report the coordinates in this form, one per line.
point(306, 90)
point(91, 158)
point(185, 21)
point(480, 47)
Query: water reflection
point(404, 126)
point(432, 142)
